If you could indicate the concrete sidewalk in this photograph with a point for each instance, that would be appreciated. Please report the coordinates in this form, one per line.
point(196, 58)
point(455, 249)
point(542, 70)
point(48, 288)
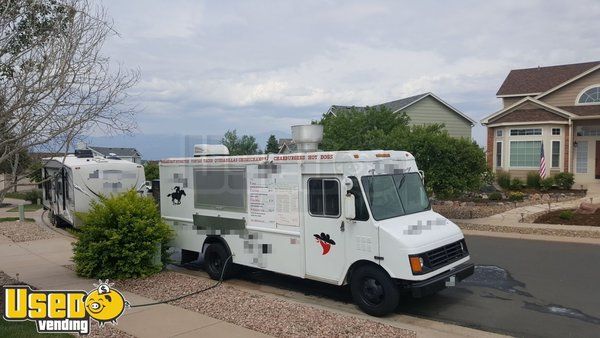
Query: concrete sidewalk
point(42, 264)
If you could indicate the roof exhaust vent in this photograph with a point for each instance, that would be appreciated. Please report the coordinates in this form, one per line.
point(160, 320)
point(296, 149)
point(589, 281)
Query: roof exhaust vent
point(203, 150)
point(307, 137)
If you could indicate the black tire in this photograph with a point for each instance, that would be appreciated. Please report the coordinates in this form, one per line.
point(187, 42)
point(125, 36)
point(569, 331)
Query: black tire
point(374, 291)
point(215, 257)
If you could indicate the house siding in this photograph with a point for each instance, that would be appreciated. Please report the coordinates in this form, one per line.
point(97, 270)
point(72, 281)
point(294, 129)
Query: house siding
point(509, 101)
point(429, 111)
point(567, 95)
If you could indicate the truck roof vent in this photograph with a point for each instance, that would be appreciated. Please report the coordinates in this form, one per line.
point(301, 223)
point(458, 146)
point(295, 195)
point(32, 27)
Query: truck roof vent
point(201, 150)
point(307, 137)
point(84, 153)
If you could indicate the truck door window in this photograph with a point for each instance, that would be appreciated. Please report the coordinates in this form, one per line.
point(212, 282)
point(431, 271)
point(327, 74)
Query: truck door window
point(362, 214)
point(324, 197)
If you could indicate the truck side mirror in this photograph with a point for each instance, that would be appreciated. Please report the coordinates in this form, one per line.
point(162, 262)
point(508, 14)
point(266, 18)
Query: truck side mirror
point(349, 207)
point(422, 174)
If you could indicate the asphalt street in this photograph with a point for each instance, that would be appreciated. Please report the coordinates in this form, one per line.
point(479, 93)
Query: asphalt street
point(520, 287)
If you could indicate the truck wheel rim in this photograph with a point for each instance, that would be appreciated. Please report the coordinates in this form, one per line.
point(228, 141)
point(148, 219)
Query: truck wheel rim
point(372, 291)
point(215, 262)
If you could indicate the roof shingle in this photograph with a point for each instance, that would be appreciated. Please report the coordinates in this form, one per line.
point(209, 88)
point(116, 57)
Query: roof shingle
point(540, 79)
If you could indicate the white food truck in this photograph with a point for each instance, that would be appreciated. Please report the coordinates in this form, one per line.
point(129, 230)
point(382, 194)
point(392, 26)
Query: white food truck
point(77, 179)
point(357, 217)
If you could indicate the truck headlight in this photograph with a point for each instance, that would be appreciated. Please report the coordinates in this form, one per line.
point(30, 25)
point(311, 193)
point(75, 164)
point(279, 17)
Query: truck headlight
point(416, 264)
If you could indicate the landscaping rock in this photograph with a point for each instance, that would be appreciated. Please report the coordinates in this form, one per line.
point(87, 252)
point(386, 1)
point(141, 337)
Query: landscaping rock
point(448, 203)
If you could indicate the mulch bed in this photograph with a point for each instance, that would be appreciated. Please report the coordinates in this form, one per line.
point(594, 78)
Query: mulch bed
point(553, 217)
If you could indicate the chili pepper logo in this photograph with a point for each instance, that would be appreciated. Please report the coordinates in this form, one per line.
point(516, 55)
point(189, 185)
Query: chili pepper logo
point(325, 241)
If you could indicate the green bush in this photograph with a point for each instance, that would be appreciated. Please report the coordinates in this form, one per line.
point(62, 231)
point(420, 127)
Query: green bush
point(546, 183)
point(503, 179)
point(516, 196)
point(495, 196)
point(119, 238)
point(564, 180)
point(533, 179)
point(516, 184)
point(566, 215)
point(33, 196)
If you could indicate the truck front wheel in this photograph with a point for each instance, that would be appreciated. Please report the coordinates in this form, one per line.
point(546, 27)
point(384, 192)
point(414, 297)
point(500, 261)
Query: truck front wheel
point(374, 291)
point(216, 258)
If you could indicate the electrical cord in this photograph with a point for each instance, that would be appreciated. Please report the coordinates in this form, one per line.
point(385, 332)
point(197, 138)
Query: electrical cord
point(188, 294)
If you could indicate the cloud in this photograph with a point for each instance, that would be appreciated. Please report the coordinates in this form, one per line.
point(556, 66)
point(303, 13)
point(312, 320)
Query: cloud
point(259, 66)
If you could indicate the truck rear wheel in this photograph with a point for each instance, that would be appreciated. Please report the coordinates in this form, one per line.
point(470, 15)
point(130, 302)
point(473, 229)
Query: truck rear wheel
point(374, 291)
point(216, 259)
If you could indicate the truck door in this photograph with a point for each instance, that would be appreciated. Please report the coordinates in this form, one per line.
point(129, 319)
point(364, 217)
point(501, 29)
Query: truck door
point(323, 232)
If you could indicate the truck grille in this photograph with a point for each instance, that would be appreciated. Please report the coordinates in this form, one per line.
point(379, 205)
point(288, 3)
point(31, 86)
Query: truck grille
point(446, 254)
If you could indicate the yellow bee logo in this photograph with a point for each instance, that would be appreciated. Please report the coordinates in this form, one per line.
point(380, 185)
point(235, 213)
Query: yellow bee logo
point(105, 304)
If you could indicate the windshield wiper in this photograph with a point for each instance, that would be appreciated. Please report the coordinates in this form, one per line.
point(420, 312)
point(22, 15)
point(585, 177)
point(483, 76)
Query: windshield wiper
point(401, 182)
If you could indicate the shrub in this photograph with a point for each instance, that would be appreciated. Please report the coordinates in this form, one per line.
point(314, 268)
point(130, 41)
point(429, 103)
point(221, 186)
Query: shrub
point(503, 179)
point(566, 215)
point(533, 179)
point(516, 184)
point(119, 238)
point(564, 180)
point(546, 183)
point(516, 196)
point(495, 196)
point(33, 196)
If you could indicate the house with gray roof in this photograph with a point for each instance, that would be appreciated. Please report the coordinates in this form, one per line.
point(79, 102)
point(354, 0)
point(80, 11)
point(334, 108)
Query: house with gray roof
point(128, 154)
point(425, 109)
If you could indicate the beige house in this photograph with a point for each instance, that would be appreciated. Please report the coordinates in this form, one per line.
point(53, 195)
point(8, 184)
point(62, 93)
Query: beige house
point(424, 109)
point(557, 107)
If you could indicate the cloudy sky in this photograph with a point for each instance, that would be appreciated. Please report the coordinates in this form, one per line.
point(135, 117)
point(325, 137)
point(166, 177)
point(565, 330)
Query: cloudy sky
point(261, 66)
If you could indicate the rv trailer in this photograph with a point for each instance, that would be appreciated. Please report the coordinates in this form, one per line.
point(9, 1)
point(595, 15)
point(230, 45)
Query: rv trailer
point(348, 217)
point(73, 181)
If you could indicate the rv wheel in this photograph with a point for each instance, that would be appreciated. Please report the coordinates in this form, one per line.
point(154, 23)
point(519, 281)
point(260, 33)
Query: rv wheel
point(374, 291)
point(215, 257)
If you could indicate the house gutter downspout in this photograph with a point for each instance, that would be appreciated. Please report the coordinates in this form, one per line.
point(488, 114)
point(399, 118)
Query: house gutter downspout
point(571, 147)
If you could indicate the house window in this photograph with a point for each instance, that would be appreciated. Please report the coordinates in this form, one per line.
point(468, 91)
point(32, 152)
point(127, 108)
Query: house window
point(499, 133)
point(324, 197)
point(588, 131)
point(498, 154)
point(591, 95)
point(555, 154)
point(525, 153)
point(581, 157)
point(526, 131)
point(555, 131)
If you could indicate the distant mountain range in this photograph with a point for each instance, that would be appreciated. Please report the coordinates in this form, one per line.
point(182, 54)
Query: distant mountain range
point(159, 146)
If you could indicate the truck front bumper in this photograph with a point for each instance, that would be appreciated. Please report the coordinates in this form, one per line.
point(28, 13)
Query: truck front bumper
point(437, 283)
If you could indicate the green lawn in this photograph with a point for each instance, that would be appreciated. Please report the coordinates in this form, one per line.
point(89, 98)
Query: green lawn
point(28, 207)
point(18, 195)
point(25, 329)
point(12, 219)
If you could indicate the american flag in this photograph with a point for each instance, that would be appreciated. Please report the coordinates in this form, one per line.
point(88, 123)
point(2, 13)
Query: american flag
point(543, 172)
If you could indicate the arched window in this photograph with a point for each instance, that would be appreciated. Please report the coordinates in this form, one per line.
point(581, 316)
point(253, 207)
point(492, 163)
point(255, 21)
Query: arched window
point(591, 95)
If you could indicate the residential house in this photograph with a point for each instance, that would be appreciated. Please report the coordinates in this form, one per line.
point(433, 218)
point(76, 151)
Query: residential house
point(128, 154)
point(424, 109)
point(557, 107)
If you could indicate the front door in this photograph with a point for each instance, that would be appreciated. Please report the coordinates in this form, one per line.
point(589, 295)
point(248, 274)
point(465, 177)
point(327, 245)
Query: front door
point(598, 159)
point(323, 228)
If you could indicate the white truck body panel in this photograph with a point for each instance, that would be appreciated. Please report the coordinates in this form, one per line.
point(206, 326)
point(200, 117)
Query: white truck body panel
point(267, 222)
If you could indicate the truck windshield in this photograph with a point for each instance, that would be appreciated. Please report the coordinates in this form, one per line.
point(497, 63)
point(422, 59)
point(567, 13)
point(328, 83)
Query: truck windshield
point(395, 195)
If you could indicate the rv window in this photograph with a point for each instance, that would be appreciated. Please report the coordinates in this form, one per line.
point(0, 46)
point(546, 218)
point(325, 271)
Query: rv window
point(324, 197)
point(359, 202)
point(220, 189)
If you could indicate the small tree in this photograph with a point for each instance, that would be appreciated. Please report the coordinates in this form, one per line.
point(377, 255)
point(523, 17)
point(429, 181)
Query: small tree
point(119, 238)
point(151, 171)
point(245, 145)
point(55, 83)
point(272, 145)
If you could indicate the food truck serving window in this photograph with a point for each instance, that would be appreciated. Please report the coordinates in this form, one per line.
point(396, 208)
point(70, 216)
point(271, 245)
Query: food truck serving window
point(324, 197)
point(222, 189)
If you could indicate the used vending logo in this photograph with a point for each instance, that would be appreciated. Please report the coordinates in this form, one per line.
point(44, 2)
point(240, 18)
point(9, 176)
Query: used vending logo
point(63, 311)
